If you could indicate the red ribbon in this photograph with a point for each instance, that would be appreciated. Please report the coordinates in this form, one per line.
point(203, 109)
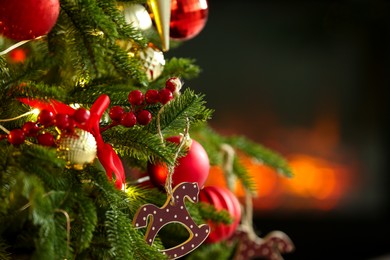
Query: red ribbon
point(105, 153)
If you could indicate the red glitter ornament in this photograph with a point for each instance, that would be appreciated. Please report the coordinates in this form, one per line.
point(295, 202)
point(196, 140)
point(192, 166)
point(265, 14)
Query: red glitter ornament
point(27, 19)
point(188, 17)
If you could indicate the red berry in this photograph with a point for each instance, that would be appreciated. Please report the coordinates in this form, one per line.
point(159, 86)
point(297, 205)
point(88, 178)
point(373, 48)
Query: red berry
point(136, 97)
point(116, 113)
point(30, 129)
point(144, 117)
point(151, 96)
point(46, 117)
point(173, 84)
point(81, 115)
point(45, 139)
point(71, 125)
point(164, 96)
point(128, 119)
point(62, 121)
point(16, 136)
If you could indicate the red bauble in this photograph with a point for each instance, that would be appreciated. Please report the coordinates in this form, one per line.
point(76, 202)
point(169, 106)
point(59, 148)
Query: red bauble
point(221, 198)
point(27, 19)
point(193, 167)
point(188, 17)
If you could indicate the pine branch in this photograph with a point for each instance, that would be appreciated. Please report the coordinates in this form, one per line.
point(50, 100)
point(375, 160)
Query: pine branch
point(189, 106)
point(262, 154)
point(4, 254)
point(137, 143)
point(183, 68)
point(220, 251)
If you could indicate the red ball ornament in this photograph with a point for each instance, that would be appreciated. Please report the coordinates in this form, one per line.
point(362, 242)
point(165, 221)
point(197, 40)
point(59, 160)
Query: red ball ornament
point(193, 167)
point(221, 198)
point(188, 17)
point(27, 19)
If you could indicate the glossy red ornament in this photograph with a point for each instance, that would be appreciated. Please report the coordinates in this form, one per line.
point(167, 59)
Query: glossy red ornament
point(221, 198)
point(193, 167)
point(188, 17)
point(27, 19)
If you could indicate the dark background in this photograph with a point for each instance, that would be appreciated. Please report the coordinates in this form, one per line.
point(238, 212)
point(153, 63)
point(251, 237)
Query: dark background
point(291, 60)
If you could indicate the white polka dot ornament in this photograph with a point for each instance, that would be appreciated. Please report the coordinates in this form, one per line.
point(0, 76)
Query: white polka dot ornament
point(173, 211)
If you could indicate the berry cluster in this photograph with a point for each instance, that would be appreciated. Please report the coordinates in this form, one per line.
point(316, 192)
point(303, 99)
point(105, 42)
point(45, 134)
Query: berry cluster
point(46, 119)
point(66, 123)
point(138, 114)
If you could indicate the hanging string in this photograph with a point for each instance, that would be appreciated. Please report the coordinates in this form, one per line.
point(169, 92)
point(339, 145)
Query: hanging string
point(34, 111)
point(227, 165)
point(5, 130)
point(171, 168)
point(67, 229)
point(18, 44)
point(159, 124)
point(247, 208)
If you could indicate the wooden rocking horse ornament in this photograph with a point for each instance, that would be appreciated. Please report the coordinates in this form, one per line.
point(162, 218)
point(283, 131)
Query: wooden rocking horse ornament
point(173, 213)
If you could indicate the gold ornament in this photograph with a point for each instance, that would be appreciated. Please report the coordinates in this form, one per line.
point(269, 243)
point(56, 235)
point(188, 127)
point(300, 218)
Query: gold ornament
point(161, 11)
point(78, 149)
point(137, 15)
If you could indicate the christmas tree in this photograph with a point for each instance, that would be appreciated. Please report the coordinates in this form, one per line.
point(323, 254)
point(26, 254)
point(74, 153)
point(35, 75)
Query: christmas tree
point(100, 136)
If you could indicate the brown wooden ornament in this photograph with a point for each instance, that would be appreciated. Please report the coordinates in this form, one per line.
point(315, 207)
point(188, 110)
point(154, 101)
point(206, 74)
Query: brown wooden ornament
point(173, 211)
point(270, 247)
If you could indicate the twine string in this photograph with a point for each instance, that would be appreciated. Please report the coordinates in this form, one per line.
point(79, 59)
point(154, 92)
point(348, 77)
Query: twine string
point(171, 168)
point(18, 44)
